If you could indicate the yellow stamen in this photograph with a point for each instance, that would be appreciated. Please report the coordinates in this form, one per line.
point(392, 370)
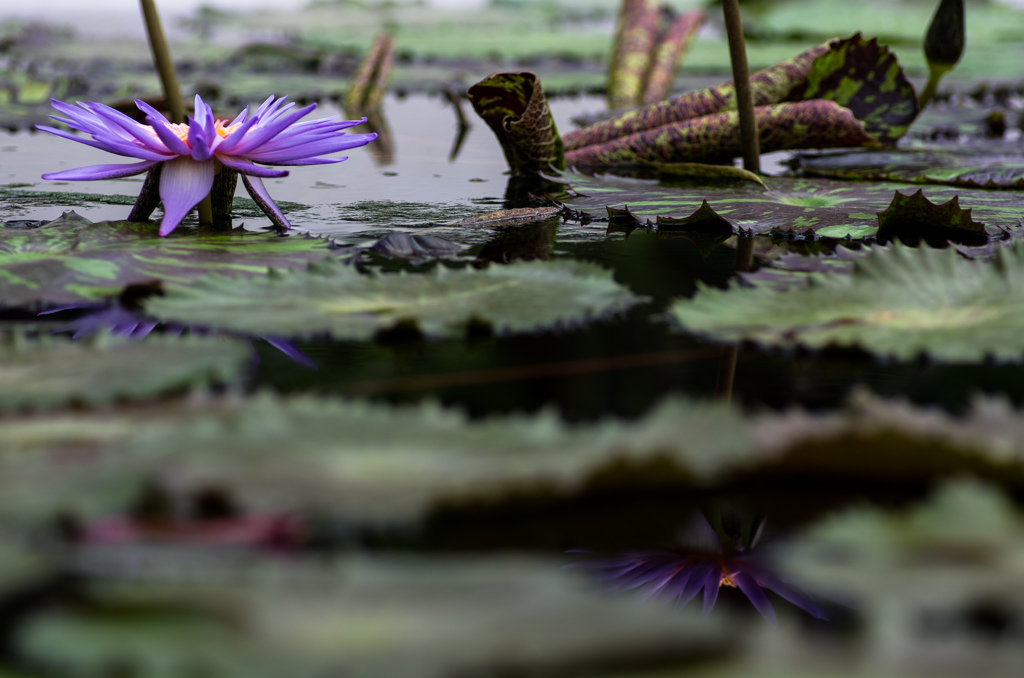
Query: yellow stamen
point(223, 131)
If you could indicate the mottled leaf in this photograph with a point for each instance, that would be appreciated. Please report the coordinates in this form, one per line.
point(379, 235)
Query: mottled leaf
point(848, 92)
point(514, 107)
point(636, 35)
point(370, 81)
point(339, 301)
point(804, 124)
point(898, 301)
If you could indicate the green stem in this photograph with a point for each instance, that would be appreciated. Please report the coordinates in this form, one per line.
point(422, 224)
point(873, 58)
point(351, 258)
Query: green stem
point(741, 80)
point(934, 75)
point(727, 361)
point(162, 60)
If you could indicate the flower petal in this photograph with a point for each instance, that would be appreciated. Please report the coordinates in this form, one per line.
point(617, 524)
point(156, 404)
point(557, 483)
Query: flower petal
point(712, 582)
point(245, 167)
point(790, 593)
point(341, 142)
point(93, 172)
point(171, 140)
point(183, 183)
point(201, 151)
point(125, 148)
point(259, 193)
point(757, 597)
point(265, 132)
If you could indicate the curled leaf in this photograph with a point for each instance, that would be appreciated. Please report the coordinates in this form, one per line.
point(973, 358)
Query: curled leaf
point(514, 107)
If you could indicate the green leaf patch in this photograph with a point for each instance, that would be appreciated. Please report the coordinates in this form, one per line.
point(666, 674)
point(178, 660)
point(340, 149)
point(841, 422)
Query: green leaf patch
point(337, 300)
point(50, 373)
point(898, 301)
point(73, 261)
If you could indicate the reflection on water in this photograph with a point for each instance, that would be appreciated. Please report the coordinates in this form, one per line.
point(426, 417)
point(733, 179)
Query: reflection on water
point(704, 559)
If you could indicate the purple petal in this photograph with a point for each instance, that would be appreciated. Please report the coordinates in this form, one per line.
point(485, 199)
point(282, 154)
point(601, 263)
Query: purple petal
point(309, 150)
point(183, 183)
point(201, 151)
point(712, 581)
point(313, 144)
point(310, 161)
point(228, 143)
point(94, 172)
point(702, 571)
point(259, 193)
point(151, 112)
point(292, 351)
point(757, 597)
point(265, 133)
point(131, 127)
point(126, 148)
point(677, 574)
point(245, 167)
point(171, 140)
point(790, 593)
point(702, 537)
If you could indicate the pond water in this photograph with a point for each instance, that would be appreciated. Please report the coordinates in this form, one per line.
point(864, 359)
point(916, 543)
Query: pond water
point(265, 512)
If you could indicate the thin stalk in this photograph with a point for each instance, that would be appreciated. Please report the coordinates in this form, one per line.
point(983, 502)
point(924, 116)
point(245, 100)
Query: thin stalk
point(727, 361)
point(741, 80)
point(162, 60)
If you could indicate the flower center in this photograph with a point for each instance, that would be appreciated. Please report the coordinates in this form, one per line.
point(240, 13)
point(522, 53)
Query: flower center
point(220, 129)
point(180, 129)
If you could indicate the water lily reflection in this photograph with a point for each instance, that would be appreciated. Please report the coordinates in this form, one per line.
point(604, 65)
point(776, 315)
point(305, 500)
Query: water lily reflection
point(703, 561)
point(188, 154)
point(115, 318)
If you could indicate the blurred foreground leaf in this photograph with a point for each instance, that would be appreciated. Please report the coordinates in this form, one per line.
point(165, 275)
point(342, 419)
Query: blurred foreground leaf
point(48, 374)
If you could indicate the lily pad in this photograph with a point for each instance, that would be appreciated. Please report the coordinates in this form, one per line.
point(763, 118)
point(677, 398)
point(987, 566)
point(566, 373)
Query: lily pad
point(979, 165)
point(72, 261)
point(338, 301)
point(362, 617)
point(898, 301)
point(822, 207)
point(50, 373)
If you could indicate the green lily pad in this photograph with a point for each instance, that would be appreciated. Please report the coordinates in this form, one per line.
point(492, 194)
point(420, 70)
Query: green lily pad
point(979, 165)
point(50, 373)
point(898, 301)
point(822, 207)
point(363, 617)
point(73, 261)
point(339, 301)
point(354, 461)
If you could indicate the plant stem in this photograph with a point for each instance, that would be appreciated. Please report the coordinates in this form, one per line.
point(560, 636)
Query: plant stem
point(727, 361)
point(162, 60)
point(741, 81)
point(934, 75)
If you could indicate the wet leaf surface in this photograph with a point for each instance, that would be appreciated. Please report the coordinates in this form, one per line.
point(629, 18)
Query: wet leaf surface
point(978, 165)
point(338, 301)
point(72, 261)
point(821, 207)
point(897, 301)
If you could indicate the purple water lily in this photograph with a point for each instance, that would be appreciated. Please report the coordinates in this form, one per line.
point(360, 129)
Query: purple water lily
point(189, 153)
point(703, 563)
